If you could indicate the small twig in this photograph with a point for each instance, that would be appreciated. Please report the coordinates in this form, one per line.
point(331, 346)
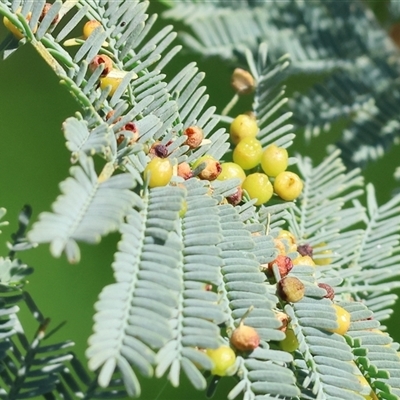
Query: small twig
point(230, 105)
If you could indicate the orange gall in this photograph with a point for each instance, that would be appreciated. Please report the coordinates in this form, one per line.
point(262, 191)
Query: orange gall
point(245, 338)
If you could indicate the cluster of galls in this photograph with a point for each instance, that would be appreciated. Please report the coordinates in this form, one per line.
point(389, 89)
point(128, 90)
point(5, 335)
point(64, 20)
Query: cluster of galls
point(159, 171)
point(247, 155)
point(290, 289)
point(206, 167)
point(286, 243)
point(17, 33)
point(263, 172)
point(110, 77)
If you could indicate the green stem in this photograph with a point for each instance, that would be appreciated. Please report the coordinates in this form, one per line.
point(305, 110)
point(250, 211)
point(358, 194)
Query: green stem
point(230, 105)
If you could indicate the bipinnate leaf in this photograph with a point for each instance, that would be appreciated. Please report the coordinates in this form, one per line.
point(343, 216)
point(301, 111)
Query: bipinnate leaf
point(87, 209)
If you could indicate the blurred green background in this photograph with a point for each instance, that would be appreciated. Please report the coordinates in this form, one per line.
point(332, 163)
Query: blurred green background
point(34, 160)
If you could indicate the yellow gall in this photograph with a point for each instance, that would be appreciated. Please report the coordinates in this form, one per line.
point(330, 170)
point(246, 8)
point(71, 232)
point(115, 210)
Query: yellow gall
point(224, 359)
point(343, 320)
point(89, 27)
point(304, 260)
point(13, 29)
